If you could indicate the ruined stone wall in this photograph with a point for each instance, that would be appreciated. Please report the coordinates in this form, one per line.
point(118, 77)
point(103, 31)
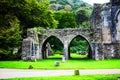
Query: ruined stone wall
point(106, 24)
point(64, 35)
point(106, 18)
point(112, 50)
point(96, 18)
point(115, 2)
point(96, 23)
point(61, 33)
point(30, 46)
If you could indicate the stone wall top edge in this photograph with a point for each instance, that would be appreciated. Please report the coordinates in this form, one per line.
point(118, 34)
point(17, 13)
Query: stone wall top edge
point(64, 29)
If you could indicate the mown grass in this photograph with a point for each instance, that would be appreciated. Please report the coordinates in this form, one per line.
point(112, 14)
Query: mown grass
point(81, 77)
point(69, 64)
point(73, 55)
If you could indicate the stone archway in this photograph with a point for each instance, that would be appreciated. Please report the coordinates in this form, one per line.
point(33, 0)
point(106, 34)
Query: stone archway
point(88, 43)
point(45, 51)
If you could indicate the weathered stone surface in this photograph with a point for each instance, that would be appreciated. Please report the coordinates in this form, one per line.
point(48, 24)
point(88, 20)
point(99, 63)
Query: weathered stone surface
point(108, 23)
point(115, 2)
point(63, 59)
point(30, 46)
point(117, 19)
point(57, 63)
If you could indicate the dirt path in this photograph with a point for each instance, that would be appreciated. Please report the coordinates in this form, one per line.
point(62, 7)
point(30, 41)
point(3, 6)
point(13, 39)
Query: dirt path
point(17, 73)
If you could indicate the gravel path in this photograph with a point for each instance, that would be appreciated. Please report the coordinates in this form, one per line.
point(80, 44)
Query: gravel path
point(17, 73)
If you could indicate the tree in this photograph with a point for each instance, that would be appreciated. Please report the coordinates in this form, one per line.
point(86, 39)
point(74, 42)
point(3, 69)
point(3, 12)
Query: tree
point(83, 15)
point(65, 19)
point(34, 13)
point(18, 15)
point(30, 12)
point(9, 37)
point(79, 44)
point(68, 8)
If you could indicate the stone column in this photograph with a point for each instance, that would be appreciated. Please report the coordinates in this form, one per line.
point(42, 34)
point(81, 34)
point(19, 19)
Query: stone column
point(26, 48)
point(66, 55)
point(40, 52)
point(106, 24)
point(98, 51)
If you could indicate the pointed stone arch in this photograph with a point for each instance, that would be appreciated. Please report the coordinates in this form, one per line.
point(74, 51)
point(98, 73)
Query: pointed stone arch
point(116, 15)
point(43, 47)
point(85, 38)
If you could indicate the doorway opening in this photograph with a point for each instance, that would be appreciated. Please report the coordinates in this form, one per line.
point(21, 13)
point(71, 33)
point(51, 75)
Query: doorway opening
point(52, 48)
point(79, 48)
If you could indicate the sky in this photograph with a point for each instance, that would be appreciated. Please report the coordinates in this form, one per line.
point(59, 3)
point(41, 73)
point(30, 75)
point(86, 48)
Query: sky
point(96, 1)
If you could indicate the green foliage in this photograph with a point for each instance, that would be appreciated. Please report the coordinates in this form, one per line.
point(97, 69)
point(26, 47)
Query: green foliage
point(91, 33)
point(30, 12)
point(9, 38)
point(45, 35)
point(35, 13)
point(37, 29)
point(82, 13)
point(56, 45)
point(83, 17)
point(18, 15)
point(79, 44)
point(65, 19)
point(75, 4)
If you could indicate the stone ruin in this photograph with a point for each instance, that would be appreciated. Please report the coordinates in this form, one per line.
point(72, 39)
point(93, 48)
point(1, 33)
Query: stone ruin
point(106, 19)
point(30, 46)
point(103, 36)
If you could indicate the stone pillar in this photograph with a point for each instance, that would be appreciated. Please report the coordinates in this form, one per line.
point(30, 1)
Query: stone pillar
point(30, 46)
point(106, 24)
point(95, 51)
point(98, 51)
point(66, 55)
point(37, 51)
point(26, 49)
point(40, 52)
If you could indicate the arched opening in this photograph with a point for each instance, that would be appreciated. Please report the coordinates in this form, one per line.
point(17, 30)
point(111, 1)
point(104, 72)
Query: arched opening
point(52, 48)
point(79, 48)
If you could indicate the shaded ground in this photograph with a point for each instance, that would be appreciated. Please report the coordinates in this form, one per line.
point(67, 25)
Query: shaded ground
point(17, 73)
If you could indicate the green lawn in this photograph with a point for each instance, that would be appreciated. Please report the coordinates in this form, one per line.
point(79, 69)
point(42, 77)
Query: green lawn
point(69, 64)
point(74, 55)
point(81, 77)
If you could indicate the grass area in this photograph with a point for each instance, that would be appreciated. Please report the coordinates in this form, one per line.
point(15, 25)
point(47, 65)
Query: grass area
point(81, 77)
point(69, 64)
point(74, 55)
